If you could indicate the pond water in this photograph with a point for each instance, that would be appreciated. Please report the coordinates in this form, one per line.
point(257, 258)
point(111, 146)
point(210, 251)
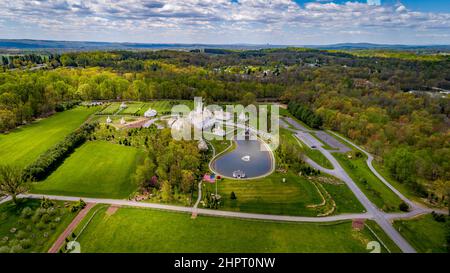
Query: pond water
point(247, 157)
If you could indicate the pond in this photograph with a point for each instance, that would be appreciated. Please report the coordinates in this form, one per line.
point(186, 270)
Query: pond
point(247, 158)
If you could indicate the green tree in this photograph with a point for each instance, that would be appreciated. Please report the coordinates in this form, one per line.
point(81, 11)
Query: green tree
point(12, 181)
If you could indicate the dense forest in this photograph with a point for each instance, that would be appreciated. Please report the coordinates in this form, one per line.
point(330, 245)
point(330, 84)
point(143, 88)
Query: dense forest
point(364, 97)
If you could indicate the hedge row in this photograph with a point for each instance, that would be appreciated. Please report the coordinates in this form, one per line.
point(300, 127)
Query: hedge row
point(53, 157)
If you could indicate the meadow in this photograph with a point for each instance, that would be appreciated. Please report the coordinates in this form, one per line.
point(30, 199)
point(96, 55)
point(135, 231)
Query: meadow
point(24, 145)
point(425, 234)
point(96, 169)
point(273, 196)
point(372, 187)
point(166, 231)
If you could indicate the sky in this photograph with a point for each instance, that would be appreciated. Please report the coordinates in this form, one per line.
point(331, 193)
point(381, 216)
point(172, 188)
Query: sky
point(281, 22)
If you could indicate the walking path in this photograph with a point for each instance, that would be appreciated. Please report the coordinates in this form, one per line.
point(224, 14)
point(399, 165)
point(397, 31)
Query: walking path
point(70, 228)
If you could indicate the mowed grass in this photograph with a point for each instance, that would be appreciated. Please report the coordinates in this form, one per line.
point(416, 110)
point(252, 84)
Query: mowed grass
point(111, 109)
point(425, 234)
point(96, 169)
point(164, 107)
point(133, 108)
point(372, 187)
point(145, 230)
point(24, 145)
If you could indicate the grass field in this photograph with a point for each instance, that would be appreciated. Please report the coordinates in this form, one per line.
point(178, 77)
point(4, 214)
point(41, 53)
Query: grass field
point(111, 109)
point(425, 234)
point(133, 108)
point(96, 169)
point(270, 195)
point(144, 230)
point(372, 187)
point(31, 236)
point(164, 107)
point(24, 145)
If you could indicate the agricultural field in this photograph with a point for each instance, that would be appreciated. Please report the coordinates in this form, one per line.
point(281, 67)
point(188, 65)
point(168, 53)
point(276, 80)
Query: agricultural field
point(24, 145)
point(96, 169)
point(273, 196)
point(425, 234)
point(133, 108)
point(163, 231)
point(111, 109)
point(375, 190)
point(26, 227)
point(164, 107)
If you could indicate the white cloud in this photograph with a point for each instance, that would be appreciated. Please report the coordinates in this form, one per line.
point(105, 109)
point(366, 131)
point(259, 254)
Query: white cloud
point(208, 18)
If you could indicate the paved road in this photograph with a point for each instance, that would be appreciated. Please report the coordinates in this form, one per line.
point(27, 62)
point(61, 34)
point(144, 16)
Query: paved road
point(372, 212)
point(209, 212)
point(337, 171)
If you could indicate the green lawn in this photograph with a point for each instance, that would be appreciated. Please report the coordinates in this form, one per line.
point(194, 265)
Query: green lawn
point(111, 109)
point(145, 230)
point(133, 108)
point(270, 195)
point(164, 107)
point(24, 145)
point(425, 234)
point(372, 187)
point(96, 169)
point(32, 234)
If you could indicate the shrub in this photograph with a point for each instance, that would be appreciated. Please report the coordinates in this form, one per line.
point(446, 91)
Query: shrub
point(438, 217)
point(16, 249)
point(54, 156)
point(4, 249)
point(26, 243)
point(403, 207)
point(21, 234)
point(41, 226)
point(233, 196)
point(26, 213)
point(46, 203)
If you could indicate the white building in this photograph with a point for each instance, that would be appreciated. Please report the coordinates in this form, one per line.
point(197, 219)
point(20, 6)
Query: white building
point(108, 120)
point(122, 121)
point(150, 113)
point(123, 105)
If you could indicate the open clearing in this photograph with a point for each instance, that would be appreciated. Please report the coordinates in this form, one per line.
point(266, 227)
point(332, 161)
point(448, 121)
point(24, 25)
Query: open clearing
point(273, 196)
point(96, 169)
point(24, 145)
point(125, 230)
point(425, 234)
point(372, 187)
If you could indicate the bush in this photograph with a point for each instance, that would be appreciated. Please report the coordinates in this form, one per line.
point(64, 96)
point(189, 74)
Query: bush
point(4, 249)
point(438, 217)
point(233, 196)
point(21, 234)
point(403, 207)
point(16, 249)
point(53, 157)
point(41, 226)
point(26, 213)
point(26, 243)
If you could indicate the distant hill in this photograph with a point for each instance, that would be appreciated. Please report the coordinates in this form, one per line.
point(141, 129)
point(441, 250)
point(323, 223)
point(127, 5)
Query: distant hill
point(24, 44)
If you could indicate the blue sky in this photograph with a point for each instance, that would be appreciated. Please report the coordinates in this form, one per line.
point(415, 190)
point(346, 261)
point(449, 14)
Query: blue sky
point(299, 22)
